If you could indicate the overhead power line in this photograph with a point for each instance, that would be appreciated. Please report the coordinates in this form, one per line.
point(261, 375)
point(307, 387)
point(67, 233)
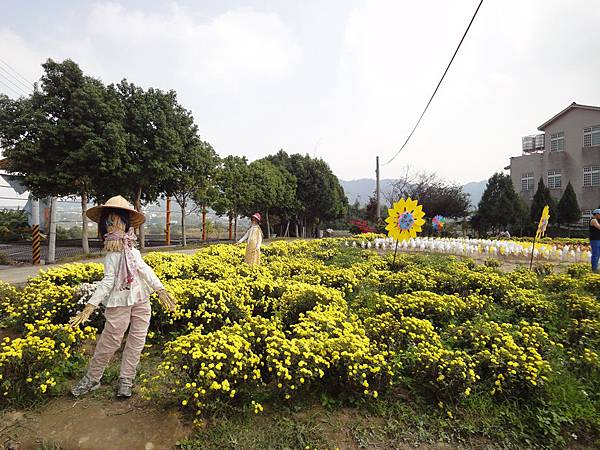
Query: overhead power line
point(10, 88)
point(29, 83)
point(13, 84)
point(16, 80)
point(438, 85)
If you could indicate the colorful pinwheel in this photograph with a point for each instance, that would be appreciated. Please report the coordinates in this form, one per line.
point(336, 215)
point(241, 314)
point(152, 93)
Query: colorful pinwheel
point(405, 219)
point(438, 223)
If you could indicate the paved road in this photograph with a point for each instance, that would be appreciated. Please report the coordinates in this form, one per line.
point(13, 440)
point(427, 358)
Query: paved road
point(22, 252)
point(18, 275)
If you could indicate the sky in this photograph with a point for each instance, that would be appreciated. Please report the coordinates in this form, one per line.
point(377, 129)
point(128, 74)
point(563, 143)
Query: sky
point(343, 80)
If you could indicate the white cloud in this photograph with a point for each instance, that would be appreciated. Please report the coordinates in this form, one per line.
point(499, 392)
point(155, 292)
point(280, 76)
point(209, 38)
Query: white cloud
point(229, 51)
point(347, 79)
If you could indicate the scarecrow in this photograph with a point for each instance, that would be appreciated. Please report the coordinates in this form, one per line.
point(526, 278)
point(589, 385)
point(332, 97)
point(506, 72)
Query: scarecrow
point(254, 236)
point(125, 292)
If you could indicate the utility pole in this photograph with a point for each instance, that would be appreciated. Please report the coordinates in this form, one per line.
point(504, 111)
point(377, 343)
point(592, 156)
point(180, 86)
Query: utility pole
point(52, 237)
point(377, 192)
point(36, 239)
point(36, 250)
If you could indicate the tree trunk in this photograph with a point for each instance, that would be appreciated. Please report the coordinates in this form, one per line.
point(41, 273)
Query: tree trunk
point(287, 229)
point(297, 231)
point(204, 223)
point(84, 222)
point(230, 227)
point(168, 222)
point(138, 207)
point(183, 236)
point(235, 226)
point(268, 225)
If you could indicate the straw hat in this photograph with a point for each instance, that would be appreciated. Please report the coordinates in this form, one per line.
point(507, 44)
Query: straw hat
point(117, 202)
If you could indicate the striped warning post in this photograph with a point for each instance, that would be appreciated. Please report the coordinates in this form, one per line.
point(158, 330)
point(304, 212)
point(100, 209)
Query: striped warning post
point(36, 249)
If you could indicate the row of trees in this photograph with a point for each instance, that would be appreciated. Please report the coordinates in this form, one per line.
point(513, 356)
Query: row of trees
point(76, 136)
point(501, 208)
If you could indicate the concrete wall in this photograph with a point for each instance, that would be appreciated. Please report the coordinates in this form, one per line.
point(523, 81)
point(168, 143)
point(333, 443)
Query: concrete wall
point(570, 162)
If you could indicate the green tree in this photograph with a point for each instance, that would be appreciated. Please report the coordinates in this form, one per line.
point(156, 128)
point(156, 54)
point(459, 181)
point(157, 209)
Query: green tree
point(499, 207)
point(271, 186)
point(13, 225)
point(437, 196)
point(542, 198)
point(67, 137)
point(568, 207)
point(235, 189)
point(206, 192)
point(319, 195)
point(190, 179)
point(152, 121)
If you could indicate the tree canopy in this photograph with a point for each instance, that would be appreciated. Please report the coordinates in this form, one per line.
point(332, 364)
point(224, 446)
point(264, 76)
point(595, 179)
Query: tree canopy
point(568, 207)
point(541, 198)
point(77, 136)
point(500, 206)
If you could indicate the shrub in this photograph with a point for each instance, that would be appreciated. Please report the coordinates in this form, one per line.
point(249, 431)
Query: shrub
point(37, 365)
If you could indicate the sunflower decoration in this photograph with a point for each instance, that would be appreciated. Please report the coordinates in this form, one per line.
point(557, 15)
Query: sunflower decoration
point(405, 219)
point(438, 223)
point(543, 222)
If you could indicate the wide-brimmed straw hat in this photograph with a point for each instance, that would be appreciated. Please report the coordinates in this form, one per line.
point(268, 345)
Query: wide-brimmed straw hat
point(117, 202)
point(257, 216)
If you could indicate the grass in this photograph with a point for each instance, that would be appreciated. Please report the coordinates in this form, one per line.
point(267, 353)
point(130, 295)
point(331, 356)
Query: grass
point(390, 423)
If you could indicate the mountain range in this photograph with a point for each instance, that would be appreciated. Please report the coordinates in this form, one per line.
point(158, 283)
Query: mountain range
point(364, 188)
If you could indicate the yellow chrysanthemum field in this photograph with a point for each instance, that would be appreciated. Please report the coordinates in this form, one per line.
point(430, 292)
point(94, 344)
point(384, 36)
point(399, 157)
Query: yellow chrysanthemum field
point(319, 317)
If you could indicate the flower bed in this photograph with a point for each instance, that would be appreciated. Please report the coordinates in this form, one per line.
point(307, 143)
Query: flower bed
point(318, 316)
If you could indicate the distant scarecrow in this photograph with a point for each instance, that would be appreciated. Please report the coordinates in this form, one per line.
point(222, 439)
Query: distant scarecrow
point(254, 236)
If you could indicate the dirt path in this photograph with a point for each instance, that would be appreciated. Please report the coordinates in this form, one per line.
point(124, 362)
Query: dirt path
point(92, 423)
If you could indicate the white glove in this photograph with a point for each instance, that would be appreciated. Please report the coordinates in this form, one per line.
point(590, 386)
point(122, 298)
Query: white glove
point(166, 300)
point(83, 316)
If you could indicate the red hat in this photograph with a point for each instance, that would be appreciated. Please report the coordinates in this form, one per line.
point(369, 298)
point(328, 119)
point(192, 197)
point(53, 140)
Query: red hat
point(257, 217)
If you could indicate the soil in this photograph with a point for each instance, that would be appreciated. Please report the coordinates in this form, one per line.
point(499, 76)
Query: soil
point(93, 422)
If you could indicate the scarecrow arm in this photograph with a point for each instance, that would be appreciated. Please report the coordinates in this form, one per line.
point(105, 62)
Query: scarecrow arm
point(244, 237)
point(83, 316)
point(166, 300)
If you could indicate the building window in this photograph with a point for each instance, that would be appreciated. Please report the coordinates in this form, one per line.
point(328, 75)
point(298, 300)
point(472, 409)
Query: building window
point(527, 181)
point(554, 179)
point(586, 216)
point(557, 142)
point(591, 136)
point(591, 176)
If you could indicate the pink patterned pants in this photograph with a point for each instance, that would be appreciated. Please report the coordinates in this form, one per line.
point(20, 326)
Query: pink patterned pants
point(118, 318)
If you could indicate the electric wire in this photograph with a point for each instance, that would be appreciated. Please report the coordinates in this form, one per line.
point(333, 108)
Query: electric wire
point(438, 85)
point(16, 81)
point(18, 94)
point(29, 83)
